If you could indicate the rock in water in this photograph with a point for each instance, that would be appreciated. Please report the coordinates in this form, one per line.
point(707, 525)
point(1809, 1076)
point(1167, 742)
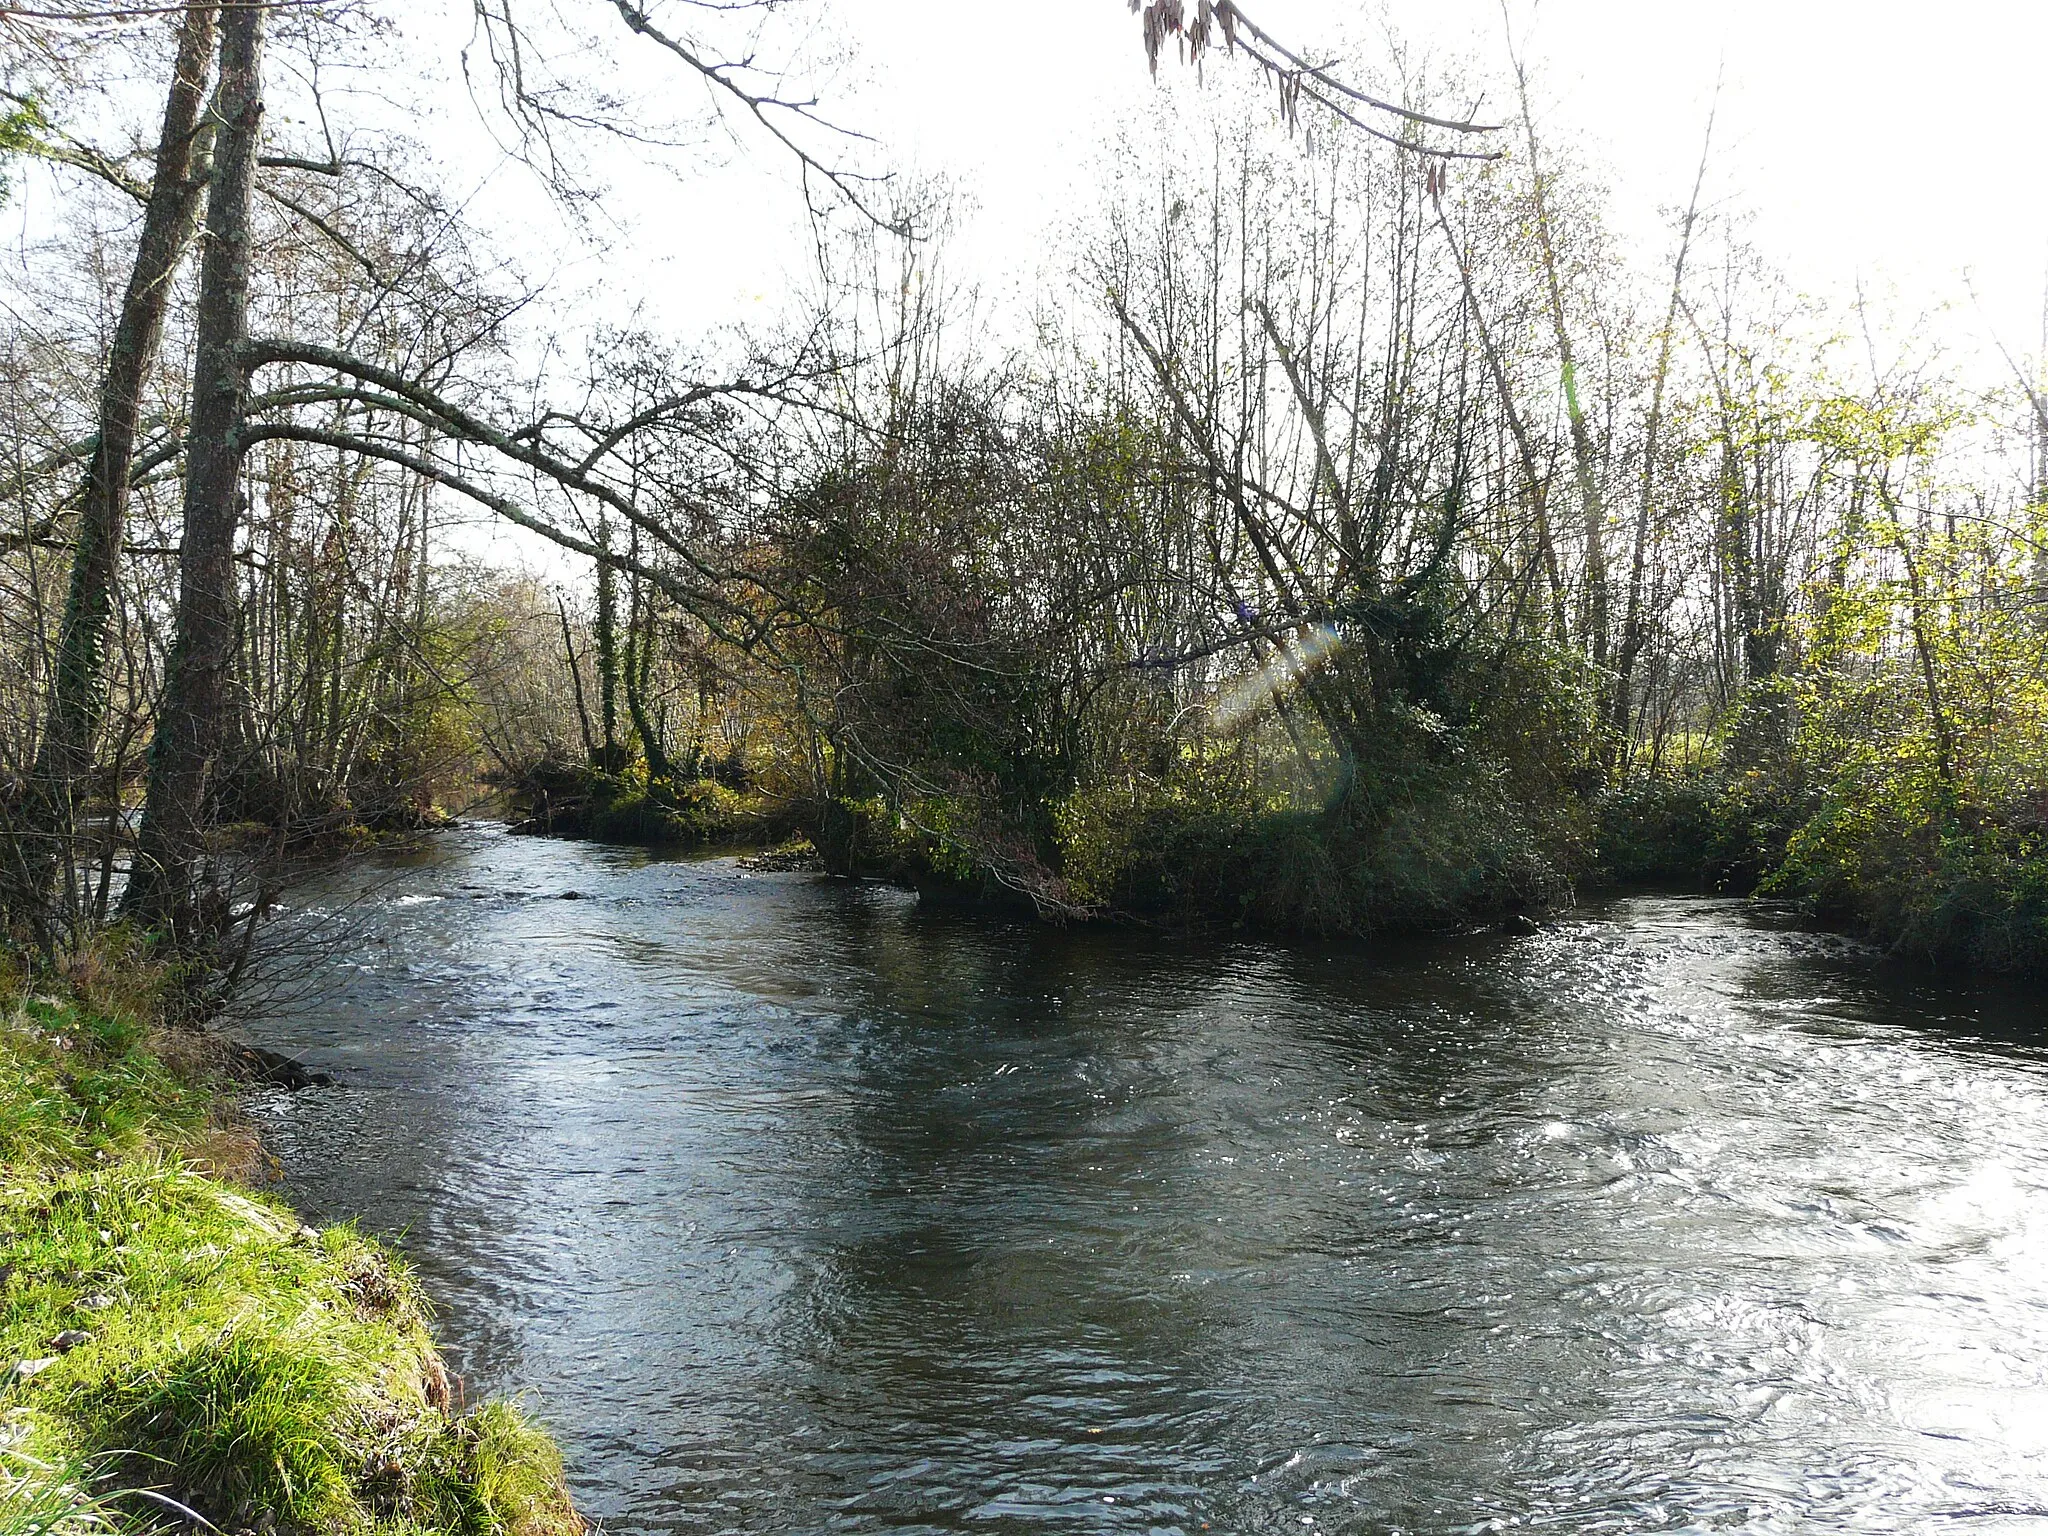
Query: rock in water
point(271, 1069)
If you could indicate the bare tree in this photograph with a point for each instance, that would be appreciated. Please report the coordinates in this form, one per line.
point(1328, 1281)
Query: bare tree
point(43, 838)
point(192, 721)
point(1195, 29)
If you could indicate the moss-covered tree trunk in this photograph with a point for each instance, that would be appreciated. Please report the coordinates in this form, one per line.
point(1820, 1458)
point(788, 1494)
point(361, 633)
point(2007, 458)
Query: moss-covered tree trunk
point(611, 758)
point(640, 648)
point(192, 718)
point(64, 758)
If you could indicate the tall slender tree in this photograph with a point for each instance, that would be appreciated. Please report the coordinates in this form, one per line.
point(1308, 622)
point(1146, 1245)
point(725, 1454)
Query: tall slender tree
point(78, 701)
point(192, 720)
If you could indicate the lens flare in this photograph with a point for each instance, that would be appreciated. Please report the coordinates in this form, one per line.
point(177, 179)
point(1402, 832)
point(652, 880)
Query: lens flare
point(1298, 656)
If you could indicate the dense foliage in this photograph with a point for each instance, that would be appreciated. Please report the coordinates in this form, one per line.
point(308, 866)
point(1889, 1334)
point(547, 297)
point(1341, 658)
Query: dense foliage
point(1354, 538)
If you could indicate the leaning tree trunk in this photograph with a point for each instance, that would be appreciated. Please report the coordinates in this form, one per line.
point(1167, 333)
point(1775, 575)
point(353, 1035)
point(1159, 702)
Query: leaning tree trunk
point(191, 722)
point(64, 758)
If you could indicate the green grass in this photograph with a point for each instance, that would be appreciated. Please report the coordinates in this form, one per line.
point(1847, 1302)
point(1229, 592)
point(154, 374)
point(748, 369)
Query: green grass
point(80, 1089)
point(182, 1336)
point(41, 1499)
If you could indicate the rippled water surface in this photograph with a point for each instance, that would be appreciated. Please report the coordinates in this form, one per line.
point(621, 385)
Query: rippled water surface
point(795, 1207)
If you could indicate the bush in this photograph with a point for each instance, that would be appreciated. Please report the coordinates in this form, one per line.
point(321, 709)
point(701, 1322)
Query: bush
point(1697, 827)
point(1895, 849)
point(1865, 830)
point(1430, 854)
point(563, 799)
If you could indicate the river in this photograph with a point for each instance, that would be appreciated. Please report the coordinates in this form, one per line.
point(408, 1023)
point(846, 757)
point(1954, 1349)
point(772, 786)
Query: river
point(792, 1206)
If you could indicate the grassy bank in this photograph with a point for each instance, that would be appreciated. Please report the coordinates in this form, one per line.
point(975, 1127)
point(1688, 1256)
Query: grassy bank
point(172, 1339)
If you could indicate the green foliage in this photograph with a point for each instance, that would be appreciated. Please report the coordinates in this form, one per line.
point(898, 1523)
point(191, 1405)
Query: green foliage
point(1923, 722)
point(1895, 855)
point(1698, 826)
point(686, 813)
point(21, 133)
point(1898, 781)
point(574, 800)
point(868, 837)
point(1458, 851)
point(1435, 814)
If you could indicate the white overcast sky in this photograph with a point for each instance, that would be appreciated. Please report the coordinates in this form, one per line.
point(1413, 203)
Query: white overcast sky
point(1899, 145)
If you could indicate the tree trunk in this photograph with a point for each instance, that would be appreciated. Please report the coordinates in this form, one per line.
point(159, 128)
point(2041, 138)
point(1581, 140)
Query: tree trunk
point(192, 719)
point(1593, 623)
point(1938, 720)
point(1635, 627)
point(64, 758)
point(640, 646)
point(611, 759)
point(576, 680)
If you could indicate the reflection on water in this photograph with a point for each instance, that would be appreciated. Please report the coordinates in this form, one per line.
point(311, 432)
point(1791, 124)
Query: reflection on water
point(796, 1208)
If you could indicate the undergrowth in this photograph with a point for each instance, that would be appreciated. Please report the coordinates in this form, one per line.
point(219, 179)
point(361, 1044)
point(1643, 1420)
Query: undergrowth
point(563, 799)
point(1881, 844)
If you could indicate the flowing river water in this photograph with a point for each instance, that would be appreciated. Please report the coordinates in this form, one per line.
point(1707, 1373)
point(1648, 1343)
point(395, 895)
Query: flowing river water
point(792, 1206)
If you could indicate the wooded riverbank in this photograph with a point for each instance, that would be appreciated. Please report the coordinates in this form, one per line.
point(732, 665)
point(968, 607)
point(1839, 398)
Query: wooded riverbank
point(1360, 538)
point(1919, 878)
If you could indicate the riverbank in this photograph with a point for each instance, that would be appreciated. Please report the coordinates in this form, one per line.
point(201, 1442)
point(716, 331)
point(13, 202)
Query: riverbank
point(1954, 892)
point(552, 798)
point(1140, 859)
point(1930, 876)
point(174, 1340)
